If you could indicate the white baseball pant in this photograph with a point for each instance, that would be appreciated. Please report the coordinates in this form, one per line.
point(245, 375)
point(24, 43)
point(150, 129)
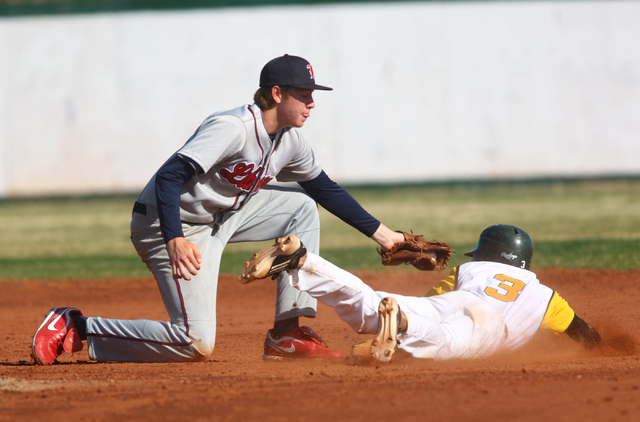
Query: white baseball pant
point(454, 325)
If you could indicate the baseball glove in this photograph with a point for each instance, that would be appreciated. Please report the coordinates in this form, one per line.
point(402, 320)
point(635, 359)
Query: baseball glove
point(424, 255)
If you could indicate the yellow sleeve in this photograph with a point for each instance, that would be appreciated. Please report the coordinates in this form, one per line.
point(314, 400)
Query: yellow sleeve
point(558, 316)
point(446, 285)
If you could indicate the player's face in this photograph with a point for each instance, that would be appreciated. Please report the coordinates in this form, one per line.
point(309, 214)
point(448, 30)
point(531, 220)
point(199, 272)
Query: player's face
point(295, 109)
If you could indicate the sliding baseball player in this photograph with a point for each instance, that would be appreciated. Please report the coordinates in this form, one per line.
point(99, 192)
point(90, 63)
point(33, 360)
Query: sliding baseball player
point(490, 304)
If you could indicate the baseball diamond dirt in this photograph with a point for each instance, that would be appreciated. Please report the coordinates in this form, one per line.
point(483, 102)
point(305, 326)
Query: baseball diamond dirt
point(552, 378)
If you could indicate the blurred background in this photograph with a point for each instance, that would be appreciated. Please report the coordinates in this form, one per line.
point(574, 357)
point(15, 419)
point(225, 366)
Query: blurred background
point(95, 95)
point(446, 117)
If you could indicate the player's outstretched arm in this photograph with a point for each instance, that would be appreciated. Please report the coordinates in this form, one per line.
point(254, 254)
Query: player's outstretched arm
point(583, 333)
point(386, 237)
point(184, 256)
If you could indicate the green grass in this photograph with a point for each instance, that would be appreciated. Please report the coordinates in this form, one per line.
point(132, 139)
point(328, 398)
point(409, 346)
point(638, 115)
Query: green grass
point(577, 224)
point(76, 267)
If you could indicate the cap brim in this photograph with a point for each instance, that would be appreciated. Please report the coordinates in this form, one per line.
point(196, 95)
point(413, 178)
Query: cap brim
point(470, 253)
point(312, 86)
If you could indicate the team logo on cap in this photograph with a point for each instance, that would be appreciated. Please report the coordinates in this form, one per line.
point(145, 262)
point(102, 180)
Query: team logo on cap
point(311, 72)
point(510, 257)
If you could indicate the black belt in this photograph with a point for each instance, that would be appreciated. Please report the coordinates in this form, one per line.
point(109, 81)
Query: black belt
point(140, 208)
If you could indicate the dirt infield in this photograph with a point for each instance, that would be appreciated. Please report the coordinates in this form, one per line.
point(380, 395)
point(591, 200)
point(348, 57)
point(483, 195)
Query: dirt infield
point(550, 379)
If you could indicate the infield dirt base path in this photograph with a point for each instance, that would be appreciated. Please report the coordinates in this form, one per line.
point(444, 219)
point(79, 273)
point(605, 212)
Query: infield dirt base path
point(551, 379)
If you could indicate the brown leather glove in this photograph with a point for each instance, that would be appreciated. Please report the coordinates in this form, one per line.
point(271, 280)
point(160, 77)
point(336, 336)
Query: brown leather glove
point(415, 250)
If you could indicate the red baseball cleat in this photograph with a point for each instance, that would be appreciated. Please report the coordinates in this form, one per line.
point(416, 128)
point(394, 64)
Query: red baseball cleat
point(56, 334)
point(300, 342)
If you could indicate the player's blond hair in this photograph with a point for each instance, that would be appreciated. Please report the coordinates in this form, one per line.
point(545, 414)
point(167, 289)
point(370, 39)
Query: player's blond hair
point(264, 99)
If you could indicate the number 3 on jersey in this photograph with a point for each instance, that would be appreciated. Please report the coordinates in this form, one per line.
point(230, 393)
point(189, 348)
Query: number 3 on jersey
point(512, 287)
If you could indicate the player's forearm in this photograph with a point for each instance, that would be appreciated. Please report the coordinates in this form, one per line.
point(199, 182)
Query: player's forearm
point(169, 180)
point(168, 202)
point(583, 333)
point(335, 199)
point(386, 238)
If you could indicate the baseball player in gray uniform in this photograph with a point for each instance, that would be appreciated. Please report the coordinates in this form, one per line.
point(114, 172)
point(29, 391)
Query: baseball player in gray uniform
point(211, 192)
point(490, 304)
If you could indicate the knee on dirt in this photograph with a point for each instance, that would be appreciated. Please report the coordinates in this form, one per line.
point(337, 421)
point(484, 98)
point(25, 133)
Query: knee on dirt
point(201, 350)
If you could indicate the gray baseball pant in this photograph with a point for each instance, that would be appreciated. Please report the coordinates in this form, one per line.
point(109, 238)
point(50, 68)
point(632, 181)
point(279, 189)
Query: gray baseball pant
point(191, 305)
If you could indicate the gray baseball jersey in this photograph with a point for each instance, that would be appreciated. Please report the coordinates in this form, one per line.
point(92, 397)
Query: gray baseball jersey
point(237, 157)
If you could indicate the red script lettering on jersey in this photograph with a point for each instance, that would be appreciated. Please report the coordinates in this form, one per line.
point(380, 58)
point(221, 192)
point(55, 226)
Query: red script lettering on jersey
point(244, 176)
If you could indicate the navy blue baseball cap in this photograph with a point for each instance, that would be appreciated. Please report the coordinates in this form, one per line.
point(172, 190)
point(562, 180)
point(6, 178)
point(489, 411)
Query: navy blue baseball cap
point(289, 71)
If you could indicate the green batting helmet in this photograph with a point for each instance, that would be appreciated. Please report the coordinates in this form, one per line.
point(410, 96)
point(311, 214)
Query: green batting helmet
point(505, 244)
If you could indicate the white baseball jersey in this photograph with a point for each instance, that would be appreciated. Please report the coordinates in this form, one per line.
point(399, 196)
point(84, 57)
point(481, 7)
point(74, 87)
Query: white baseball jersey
point(515, 292)
point(238, 158)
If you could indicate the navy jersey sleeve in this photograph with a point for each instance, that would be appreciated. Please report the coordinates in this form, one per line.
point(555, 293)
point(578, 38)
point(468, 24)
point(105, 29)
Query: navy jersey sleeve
point(169, 180)
point(338, 202)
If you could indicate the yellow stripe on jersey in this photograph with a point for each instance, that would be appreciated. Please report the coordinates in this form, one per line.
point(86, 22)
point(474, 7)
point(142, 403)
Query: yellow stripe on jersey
point(558, 316)
point(446, 285)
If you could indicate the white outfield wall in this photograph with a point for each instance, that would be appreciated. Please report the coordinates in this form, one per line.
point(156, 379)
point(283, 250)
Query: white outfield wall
point(422, 91)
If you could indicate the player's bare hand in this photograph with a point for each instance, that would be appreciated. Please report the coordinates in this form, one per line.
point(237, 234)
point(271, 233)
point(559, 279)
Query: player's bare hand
point(185, 258)
point(386, 238)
